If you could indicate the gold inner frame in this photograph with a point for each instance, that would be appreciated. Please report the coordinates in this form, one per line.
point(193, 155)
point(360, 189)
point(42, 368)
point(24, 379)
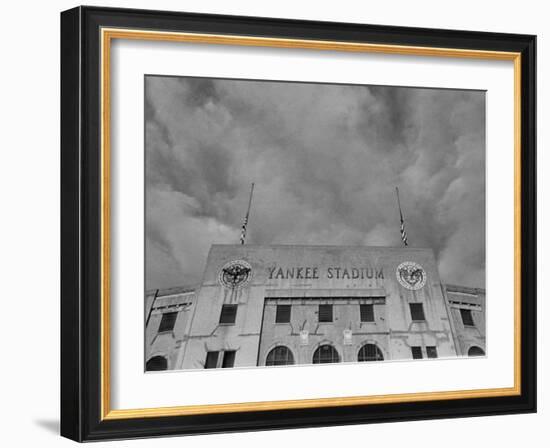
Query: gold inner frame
point(107, 35)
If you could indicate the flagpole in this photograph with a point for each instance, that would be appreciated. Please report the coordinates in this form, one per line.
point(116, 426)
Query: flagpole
point(403, 232)
point(399, 203)
point(245, 222)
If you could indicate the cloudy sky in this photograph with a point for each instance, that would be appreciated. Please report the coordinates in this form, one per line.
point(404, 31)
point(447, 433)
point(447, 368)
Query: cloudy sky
point(325, 160)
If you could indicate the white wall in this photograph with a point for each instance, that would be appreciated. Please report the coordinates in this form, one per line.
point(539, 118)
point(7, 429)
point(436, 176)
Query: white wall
point(29, 164)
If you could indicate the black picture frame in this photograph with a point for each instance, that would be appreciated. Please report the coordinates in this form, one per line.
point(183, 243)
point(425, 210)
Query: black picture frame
point(81, 288)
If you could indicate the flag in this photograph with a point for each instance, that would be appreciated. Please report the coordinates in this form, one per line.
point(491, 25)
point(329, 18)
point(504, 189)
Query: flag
point(403, 231)
point(243, 230)
point(245, 222)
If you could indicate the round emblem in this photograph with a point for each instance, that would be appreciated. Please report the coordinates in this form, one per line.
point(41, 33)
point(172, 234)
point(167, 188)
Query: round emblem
point(411, 275)
point(235, 274)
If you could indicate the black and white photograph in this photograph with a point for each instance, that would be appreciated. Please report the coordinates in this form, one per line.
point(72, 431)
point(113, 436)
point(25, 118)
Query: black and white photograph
point(291, 223)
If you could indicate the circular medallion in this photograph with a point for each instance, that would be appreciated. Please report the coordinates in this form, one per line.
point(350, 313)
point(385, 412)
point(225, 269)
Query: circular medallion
point(411, 275)
point(235, 274)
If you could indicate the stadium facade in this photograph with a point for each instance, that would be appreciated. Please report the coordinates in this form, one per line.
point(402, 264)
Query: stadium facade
point(286, 304)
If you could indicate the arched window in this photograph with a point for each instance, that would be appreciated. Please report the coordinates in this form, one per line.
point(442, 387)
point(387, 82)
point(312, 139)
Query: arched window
point(325, 354)
point(476, 351)
point(280, 356)
point(370, 352)
point(156, 363)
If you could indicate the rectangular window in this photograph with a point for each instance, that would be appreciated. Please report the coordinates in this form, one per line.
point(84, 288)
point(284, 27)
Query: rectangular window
point(417, 311)
point(228, 314)
point(228, 358)
point(325, 313)
point(467, 318)
point(367, 313)
point(168, 322)
point(211, 360)
point(282, 315)
point(416, 352)
point(431, 351)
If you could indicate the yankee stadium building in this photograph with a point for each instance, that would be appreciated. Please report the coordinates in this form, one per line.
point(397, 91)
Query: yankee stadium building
point(270, 305)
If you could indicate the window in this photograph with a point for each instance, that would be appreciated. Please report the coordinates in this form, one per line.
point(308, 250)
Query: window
point(211, 360)
point(228, 359)
point(282, 316)
point(370, 352)
point(467, 318)
point(417, 311)
point(280, 356)
point(431, 351)
point(325, 354)
point(417, 352)
point(325, 313)
point(476, 351)
point(367, 313)
point(228, 314)
point(168, 322)
point(156, 363)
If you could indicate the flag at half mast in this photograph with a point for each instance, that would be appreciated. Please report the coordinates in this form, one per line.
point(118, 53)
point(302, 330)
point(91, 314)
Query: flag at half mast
point(245, 222)
point(403, 231)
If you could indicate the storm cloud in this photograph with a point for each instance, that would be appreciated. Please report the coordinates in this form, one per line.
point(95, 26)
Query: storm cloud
point(325, 159)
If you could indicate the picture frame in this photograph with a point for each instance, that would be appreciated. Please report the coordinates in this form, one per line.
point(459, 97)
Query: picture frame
point(87, 35)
